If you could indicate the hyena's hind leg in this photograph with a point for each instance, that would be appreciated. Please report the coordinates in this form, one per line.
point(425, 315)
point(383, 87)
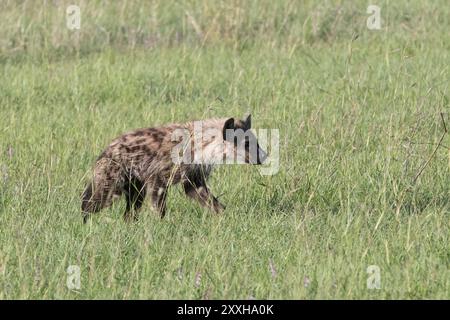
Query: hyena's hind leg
point(158, 190)
point(197, 189)
point(96, 197)
point(135, 191)
point(103, 189)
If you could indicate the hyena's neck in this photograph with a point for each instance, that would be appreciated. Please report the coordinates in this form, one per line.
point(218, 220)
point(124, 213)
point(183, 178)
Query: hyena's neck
point(207, 145)
point(214, 123)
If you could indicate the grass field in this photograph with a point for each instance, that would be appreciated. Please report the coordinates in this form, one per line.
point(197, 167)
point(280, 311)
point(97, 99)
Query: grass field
point(358, 111)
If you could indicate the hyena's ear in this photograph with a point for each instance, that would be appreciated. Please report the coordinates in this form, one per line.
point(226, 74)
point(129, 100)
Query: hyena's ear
point(229, 125)
point(248, 122)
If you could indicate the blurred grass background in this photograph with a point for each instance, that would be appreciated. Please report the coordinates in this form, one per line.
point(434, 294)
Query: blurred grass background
point(358, 112)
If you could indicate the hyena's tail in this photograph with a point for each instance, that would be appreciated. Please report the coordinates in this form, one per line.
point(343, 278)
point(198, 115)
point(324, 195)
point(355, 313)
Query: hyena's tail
point(102, 190)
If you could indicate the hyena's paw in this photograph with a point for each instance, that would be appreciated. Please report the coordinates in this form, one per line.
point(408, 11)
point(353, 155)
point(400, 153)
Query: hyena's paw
point(130, 216)
point(218, 207)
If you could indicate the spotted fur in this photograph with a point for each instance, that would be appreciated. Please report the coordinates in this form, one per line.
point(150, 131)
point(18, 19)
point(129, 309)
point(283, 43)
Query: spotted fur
point(138, 164)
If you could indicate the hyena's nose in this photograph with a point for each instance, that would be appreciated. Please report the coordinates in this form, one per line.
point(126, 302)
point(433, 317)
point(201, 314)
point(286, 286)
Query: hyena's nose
point(262, 156)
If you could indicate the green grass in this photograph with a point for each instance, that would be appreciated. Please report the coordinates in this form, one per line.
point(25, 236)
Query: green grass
point(358, 114)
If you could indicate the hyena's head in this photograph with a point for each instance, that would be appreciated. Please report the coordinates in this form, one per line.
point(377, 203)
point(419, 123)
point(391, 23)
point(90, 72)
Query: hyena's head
point(241, 141)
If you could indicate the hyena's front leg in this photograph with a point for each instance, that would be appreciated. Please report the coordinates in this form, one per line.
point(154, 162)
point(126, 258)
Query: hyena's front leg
point(199, 191)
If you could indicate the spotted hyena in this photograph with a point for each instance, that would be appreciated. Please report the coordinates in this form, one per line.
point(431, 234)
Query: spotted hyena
point(148, 161)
